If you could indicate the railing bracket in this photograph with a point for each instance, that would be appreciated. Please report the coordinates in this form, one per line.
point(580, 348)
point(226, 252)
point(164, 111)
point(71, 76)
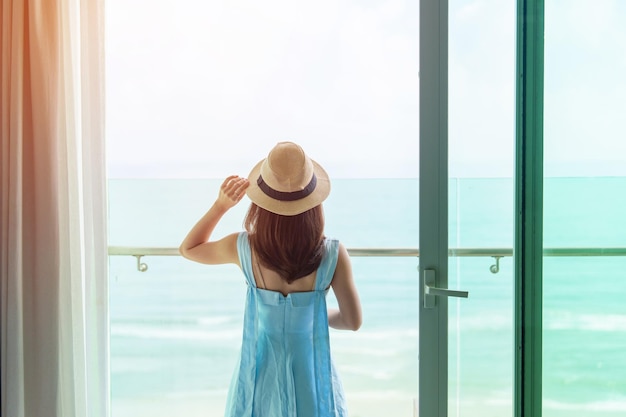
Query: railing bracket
point(141, 266)
point(495, 268)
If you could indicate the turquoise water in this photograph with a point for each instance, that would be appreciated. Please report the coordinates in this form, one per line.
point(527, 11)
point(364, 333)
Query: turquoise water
point(175, 329)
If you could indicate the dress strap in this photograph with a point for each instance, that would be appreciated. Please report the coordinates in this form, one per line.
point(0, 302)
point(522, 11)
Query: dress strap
point(258, 267)
point(326, 270)
point(245, 257)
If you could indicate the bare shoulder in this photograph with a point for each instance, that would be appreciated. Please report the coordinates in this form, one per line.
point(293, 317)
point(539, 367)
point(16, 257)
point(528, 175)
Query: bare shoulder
point(344, 263)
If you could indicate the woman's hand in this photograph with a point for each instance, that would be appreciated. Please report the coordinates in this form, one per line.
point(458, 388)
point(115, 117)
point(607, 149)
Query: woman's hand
point(198, 245)
point(232, 191)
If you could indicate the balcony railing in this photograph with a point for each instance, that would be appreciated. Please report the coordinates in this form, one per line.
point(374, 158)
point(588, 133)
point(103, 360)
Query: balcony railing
point(495, 253)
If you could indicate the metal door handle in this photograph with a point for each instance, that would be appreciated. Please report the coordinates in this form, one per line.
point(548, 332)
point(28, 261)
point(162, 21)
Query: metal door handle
point(430, 291)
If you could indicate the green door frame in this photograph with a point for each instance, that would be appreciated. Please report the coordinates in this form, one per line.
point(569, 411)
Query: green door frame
point(433, 202)
point(433, 215)
point(528, 249)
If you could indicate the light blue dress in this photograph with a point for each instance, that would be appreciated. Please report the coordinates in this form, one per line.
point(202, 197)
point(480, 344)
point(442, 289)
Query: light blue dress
point(285, 369)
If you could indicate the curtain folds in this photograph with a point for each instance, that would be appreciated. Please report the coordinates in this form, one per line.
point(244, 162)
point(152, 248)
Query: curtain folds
point(53, 249)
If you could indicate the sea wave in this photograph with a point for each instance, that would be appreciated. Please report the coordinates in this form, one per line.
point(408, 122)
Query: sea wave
point(612, 405)
point(362, 371)
point(162, 332)
point(562, 320)
point(381, 352)
point(586, 322)
point(162, 319)
point(377, 335)
point(381, 394)
point(200, 393)
point(486, 321)
point(217, 320)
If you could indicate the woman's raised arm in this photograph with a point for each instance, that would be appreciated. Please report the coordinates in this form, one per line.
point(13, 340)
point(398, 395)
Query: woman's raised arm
point(197, 246)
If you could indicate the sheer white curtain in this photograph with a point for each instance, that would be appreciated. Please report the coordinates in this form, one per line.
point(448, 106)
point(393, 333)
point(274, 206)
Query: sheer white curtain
point(54, 317)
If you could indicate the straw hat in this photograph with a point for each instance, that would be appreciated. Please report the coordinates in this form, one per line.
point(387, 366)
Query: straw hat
point(288, 182)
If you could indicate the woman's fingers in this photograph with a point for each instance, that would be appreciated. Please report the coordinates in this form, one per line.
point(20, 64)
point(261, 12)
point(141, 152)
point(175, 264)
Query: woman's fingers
point(234, 187)
point(242, 186)
point(239, 188)
point(230, 183)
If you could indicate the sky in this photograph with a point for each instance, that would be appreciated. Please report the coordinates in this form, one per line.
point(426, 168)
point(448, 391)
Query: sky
point(204, 89)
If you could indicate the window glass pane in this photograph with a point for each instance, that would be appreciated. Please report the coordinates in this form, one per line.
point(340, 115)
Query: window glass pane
point(480, 328)
point(584, 316)
point(481, 166)
point(200, 90)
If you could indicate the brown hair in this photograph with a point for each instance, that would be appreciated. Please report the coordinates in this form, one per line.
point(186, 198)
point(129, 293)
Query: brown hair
point(292, 246)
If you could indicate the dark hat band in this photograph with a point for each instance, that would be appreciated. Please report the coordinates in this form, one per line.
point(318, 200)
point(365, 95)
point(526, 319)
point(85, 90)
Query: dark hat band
point(287, 196)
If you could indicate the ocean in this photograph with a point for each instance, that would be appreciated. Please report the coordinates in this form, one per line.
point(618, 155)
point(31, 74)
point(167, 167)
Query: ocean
point(176, 328)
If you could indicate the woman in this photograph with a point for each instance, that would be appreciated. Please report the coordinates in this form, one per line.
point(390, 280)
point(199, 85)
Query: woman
point(285, 367)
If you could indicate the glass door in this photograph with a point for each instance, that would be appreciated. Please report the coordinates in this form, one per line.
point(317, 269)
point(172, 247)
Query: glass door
point(466, 346)
point(467, 127)
point(584, 314)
